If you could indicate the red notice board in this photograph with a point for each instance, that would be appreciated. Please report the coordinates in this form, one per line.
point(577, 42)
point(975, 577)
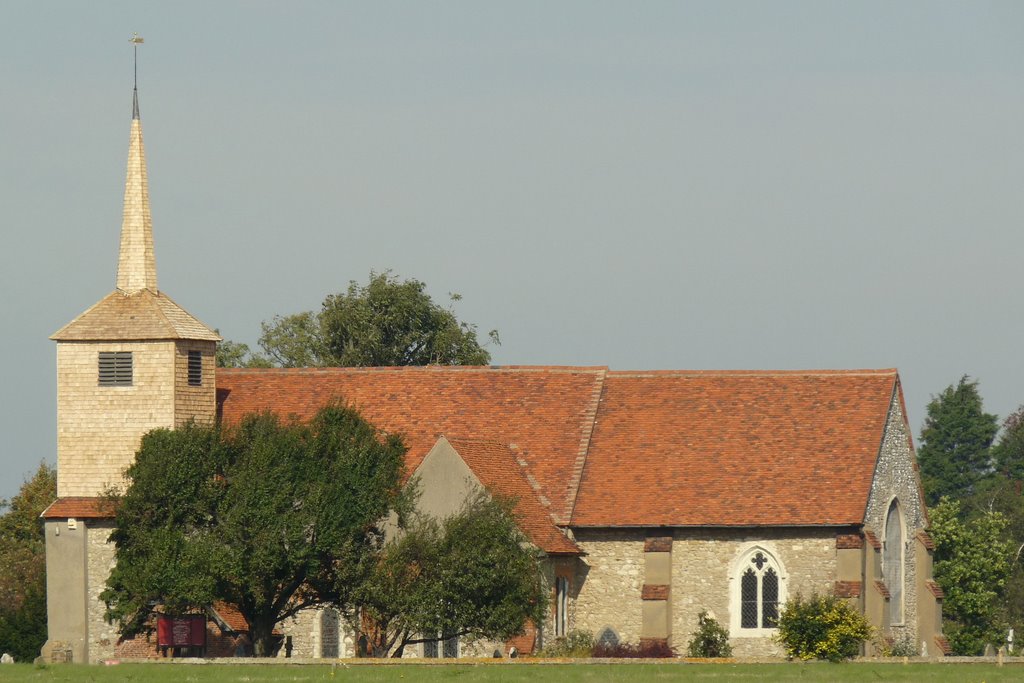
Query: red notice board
point(186, 631)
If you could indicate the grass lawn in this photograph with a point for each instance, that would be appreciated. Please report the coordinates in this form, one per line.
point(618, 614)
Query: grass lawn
point(958, 673)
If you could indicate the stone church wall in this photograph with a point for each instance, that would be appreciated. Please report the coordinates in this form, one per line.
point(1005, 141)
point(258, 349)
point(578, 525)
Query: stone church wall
point(102, 636)
point(705, 576)
point(610, 579)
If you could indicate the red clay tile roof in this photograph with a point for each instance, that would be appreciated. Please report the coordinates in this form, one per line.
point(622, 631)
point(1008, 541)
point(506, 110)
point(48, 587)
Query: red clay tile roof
point(230, 615)
point(545, 411)
point(734, 448)
point(935, 589)
point(499, 470)
point(79, 507)
point(712, 448)
point(926, 540)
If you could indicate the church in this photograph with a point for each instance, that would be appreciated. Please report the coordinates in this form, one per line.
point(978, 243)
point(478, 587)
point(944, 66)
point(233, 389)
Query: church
point(652, 495)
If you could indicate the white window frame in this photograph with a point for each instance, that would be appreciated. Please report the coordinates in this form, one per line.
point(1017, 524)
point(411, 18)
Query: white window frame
point(743, 561)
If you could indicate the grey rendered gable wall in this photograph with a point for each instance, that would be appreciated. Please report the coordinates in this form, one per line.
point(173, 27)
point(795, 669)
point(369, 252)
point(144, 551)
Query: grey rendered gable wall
point(445, 481)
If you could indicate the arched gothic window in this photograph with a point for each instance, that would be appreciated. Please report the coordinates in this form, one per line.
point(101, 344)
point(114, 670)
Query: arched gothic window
point(892, 561)
point(758, 592)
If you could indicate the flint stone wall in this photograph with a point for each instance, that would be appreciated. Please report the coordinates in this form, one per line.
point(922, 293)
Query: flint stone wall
point(103, 637)
point(896, 476)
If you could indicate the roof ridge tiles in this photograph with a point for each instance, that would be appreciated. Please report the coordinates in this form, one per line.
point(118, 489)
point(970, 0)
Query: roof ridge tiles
point(751, 373)
point(594, 369)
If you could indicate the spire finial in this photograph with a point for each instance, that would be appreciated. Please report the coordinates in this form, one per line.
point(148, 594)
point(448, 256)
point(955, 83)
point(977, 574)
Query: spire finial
point(136, 40)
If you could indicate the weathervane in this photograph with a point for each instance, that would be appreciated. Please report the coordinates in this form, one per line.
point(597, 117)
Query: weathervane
point(136, 40)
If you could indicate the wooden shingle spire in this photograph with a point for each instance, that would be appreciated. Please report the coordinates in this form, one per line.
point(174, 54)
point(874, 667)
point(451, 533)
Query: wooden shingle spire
point(136, 265)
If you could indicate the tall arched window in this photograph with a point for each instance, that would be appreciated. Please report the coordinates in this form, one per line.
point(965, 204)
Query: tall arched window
point(892, 561)
point(757, 593)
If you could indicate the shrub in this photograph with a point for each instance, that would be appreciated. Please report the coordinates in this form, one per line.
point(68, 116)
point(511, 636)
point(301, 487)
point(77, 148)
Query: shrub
point(821, 627)
point(650, 649)
point(573, 644)
point(710, 640)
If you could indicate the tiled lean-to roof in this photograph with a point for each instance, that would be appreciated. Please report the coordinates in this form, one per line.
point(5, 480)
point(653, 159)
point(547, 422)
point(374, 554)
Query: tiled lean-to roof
point(79, 507)
point(607, 448)
point(500, 469)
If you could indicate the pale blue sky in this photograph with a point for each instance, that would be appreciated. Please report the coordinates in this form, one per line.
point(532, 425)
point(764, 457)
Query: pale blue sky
point(640, 185)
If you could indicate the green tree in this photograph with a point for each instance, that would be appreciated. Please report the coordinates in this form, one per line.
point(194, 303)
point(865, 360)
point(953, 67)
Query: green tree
point(472, 575)
point(238, 355)
point(1006, 497)
point(23, 566)
point(955, 439)
point(386, 322)
point(1008, 453)
point(972, 564)
point(261, 516)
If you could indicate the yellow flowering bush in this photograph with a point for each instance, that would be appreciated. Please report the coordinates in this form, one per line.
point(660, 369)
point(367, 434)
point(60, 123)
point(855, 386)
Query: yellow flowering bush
point(821, 627)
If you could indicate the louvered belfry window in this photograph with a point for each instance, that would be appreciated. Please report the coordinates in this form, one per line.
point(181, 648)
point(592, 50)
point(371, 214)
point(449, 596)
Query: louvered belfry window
point(195, 368)
point(115, 368)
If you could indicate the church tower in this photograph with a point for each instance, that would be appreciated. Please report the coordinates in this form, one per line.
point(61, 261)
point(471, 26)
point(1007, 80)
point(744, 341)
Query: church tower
point(133, 362)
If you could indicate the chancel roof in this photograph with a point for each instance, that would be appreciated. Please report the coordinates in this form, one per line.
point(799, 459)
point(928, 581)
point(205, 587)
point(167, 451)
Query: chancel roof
point(734, 448)
point(614, 449)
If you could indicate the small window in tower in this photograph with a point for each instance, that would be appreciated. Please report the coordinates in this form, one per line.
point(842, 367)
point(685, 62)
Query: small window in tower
point(115, 368)
point(195, 368)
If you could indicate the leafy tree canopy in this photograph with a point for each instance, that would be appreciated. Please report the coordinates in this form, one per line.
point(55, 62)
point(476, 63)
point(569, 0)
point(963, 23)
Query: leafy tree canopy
point(472, 575)
point(386, 322)
point(955, 440)
point(260, 516)
point(23, 566)
point(972, 564)
point(238, 355)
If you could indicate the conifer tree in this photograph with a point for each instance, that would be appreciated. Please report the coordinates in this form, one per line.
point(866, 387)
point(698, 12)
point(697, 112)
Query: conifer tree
point(955, 442)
